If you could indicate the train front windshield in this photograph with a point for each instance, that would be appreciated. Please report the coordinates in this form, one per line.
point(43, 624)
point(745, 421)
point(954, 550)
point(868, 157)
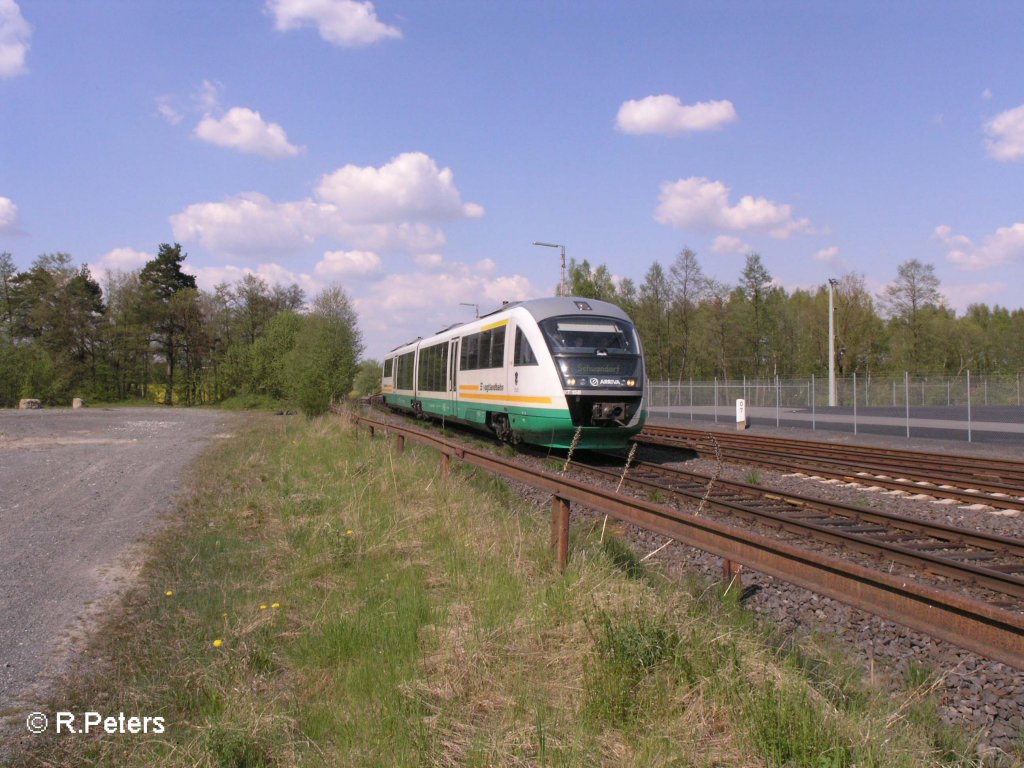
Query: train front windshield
point(598, 335)
point(594, 351)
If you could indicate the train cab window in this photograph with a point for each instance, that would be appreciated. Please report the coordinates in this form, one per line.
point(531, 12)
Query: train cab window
point(387, 367)
point(598, 334)
point(523, 351)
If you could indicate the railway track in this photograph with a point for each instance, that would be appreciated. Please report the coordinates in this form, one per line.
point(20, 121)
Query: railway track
point(993, 626)
point(961, 479)
point(991, 562)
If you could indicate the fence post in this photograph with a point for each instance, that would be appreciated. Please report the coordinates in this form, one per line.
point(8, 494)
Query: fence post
point(906, 392)
point(778, 395)
point(560, 530)
point(968, 405)
point(716, 399)
point(691, 398)
point(813, 405)
point(855, 402)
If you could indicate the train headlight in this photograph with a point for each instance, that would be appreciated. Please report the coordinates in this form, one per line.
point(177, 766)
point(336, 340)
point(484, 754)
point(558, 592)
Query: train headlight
point(630, 382)
point(571, 382)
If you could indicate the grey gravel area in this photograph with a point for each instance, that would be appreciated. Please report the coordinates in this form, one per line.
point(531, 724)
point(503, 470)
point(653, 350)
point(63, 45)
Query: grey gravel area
point(80, 492)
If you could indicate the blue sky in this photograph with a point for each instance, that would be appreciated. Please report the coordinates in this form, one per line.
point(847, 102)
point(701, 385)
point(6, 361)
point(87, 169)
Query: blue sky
point(412, 151)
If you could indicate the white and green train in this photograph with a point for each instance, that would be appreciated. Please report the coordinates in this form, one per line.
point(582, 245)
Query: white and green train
point(534, 371)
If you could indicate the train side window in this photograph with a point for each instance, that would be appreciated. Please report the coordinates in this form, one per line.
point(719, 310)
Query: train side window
point(470, 352)
point(432, 367)
point(403, 376)
point(498, 347)
point(523, 351)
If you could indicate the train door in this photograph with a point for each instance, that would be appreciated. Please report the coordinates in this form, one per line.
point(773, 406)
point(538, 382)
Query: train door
point(453, 374)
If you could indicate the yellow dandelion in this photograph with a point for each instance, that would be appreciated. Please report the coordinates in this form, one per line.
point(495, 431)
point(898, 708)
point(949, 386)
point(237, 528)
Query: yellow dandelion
point(218, 643)
point(348, 532)
point(169, 593)
point(263, 607)
point(275, 606)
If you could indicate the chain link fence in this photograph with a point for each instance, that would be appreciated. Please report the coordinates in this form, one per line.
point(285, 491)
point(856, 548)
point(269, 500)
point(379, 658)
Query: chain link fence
point(859, 400)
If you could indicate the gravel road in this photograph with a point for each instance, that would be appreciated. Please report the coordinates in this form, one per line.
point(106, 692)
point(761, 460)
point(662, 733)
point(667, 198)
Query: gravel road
point(80, 491)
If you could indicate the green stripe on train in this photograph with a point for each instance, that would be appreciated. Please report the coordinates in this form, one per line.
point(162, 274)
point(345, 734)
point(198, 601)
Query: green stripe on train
point(551, 427)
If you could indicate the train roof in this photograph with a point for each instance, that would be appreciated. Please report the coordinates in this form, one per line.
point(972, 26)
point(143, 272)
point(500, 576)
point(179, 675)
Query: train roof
point(541, 309)
point(553, 306)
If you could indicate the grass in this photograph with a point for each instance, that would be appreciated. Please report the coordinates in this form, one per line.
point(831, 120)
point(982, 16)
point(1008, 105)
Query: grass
point(370, 613)
point(753, 477)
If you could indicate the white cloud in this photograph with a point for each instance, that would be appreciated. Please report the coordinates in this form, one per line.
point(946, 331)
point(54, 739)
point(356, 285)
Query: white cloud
point(8, 215)
point(1005, 246)
point(827, 255)
point(665, 115)
point(207, 98)
point(168, 111)
point(699, 203)
point(429, 260)
point(727, 244)
point(116, 261)
point(340, 22)
point(245, 130)
point(15, 33)
point(410, 186)
point(208, 278)
point(960, 296)
point(123, 259)
point(401, 307)
point(348, 264)
point(1005, 131)
point(986, 95)
point(248, 224)
point(370, 209)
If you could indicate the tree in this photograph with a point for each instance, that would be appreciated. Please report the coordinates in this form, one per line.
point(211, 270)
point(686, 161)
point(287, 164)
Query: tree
point(367, 380)
point(162, 278)
point(591, 283)
point(653, 322)
point(755, 283)
point(910, 301)
point(689, 286)
point(321, 366)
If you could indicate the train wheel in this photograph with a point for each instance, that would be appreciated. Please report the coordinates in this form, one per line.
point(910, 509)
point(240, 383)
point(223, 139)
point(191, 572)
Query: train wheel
point(501, 427)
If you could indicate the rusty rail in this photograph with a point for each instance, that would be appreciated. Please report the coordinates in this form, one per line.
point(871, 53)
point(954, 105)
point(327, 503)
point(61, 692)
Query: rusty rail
point(988, 630)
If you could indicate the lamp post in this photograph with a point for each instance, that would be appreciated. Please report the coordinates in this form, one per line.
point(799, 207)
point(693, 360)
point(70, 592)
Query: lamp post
point(476, 307)
point(561, 285)
point(832, 283)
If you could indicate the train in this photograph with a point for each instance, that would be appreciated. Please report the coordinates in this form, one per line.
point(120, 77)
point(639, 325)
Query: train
point(556, 372)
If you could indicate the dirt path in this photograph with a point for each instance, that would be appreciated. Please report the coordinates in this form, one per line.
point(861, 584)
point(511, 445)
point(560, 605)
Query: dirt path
point(80, 490)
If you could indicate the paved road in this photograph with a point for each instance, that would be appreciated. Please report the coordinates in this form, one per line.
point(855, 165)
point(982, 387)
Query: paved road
point(79, 492)
point(987, 424)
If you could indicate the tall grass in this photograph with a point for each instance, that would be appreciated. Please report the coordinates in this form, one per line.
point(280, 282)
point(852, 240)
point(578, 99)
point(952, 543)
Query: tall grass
point(371, 613)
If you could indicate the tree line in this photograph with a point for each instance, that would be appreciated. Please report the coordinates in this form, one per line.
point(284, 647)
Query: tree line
point(693, 325)
point(152, 334)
